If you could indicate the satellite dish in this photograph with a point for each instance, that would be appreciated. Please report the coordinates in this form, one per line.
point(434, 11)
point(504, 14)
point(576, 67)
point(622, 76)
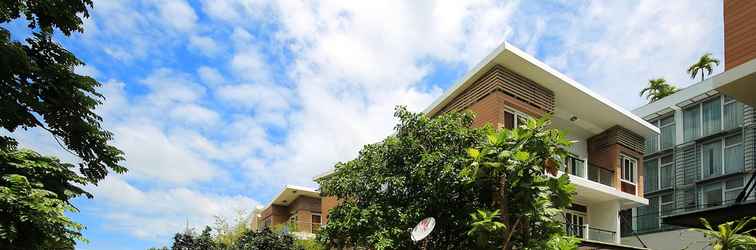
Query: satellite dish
point(423, 229)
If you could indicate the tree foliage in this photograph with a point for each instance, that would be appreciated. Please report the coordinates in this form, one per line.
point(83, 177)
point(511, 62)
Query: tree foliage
point(513, 165)
point(38, 89)
point(730, 235)
point(35, 192)
point(705, 65)
point(657, 89)
point(393, 184)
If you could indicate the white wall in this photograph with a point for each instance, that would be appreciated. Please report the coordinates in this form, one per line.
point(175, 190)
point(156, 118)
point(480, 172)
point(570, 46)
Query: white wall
point(605, 216)
point(673, 240)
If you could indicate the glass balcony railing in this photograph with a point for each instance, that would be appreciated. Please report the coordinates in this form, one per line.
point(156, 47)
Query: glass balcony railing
point(601, 175)
point(586, 232)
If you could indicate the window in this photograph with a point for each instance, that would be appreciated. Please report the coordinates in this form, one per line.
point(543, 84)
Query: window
point(575, 166)
point(667, 204)
point(691, 123)
point(732, 114)
point(574, 222)
point(711, 114)
point(628, 168)
point(513, 119)
point(711, 157)
point(667, 128)
point(648, 216)
point(652, 175)
point(712, 195)
point(732, 189)
point(733, 154)
point(666, 171)
point(315, 223)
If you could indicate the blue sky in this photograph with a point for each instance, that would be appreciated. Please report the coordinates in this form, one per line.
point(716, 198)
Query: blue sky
point(218, 104)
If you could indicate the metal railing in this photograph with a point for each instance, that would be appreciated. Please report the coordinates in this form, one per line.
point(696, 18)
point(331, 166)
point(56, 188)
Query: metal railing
point(600, 175)
point(586, 232)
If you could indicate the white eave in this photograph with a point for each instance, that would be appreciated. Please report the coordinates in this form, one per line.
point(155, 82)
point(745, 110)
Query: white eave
point(739, 82)
point(594, 112)
point(291, 193)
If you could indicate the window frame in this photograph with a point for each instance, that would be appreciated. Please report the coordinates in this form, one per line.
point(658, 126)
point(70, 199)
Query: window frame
point(516, 116)
point(634, 171)
point(724, 100)
point(661, 165)
point(724, 151)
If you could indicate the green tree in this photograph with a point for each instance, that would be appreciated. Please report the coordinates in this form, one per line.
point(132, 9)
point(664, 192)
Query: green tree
point(705, 65)
point(38, 89)
point(393, 184)
point(657, 89)
point(512, 164)
point(35, 192)
point(730, 235)
point(265, 239)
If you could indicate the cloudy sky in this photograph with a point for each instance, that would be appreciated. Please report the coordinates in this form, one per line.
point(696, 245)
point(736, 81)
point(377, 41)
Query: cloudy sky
point(218, 104)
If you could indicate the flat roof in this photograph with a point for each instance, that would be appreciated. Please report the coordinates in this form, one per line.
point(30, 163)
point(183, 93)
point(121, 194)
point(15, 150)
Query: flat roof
point(595, 113)
point(738, 82)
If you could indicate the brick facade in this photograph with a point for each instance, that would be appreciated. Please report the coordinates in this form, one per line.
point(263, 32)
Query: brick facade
point(740, 32)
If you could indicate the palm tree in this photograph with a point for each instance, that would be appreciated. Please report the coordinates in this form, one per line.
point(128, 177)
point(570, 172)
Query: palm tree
point(730, 235)
point(657, 89)
point(705, 66)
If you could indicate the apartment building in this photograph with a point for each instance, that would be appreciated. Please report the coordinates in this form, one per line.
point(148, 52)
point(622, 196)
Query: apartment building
point(607, 162)
point(295, 210)
point(704, 156)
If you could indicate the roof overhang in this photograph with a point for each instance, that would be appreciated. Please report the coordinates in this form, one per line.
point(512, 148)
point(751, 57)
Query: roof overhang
point(595, 113)
point(739, 83)
point(715, 216)
point(291, 193)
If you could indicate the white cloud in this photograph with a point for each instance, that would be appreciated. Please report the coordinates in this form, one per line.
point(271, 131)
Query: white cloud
point(615, 47)
point(156, 214)
point(210, 76)
point(195, 114)
point(204, 45)
point(151, 155)
point(178, 14)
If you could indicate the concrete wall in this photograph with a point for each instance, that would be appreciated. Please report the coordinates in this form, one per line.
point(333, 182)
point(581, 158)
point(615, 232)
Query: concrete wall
point(673, 240)
point(605, 216)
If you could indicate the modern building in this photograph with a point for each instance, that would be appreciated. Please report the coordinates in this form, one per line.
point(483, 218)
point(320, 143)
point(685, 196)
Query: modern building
point(704, 156)
point(295, 210)
point(607, 162)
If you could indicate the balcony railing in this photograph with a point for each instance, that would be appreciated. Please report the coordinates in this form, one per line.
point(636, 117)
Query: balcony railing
point(586, 232)
point(601, 175)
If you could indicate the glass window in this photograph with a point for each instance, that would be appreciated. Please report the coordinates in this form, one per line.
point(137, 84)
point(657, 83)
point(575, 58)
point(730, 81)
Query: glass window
point(666, 171)
point(509, 120)
point(732, 189)
point(576, 166)
point(315, 223)
point(691, 123)
point(513, 119)
point(733, 114)
point(711, 115)
point(733, 154)
point(628, 168)
point(667, 137)
point(667, 204)
point(652, 144)
point(652, 168)
point(648, 216)
point(712, 195)
point(711, 157)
